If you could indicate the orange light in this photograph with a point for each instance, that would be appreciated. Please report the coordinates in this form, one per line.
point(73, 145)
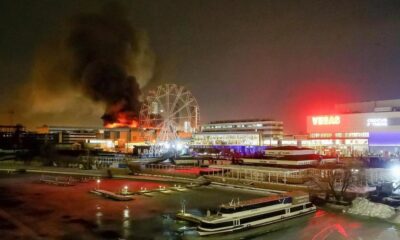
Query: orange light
point(132, 124)
point(123, 120)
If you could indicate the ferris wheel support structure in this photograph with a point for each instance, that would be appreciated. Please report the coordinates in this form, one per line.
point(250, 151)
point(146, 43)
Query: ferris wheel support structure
point(170, 109)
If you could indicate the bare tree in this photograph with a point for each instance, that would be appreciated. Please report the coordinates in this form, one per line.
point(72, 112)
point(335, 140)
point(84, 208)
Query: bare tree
point(334, 182)
point(339, 182)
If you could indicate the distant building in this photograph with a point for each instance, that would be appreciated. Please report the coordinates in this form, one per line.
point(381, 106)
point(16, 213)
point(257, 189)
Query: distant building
point(16, 137)
point(123, 138)
point(358, 129)
point(269, 129)
point(11, 136)
point(227, 138)
point(244, 136)
point(70, 135)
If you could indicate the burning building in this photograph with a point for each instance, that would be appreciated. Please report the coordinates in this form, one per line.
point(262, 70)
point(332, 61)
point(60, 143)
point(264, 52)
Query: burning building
point(101, 60)
point(112, 139)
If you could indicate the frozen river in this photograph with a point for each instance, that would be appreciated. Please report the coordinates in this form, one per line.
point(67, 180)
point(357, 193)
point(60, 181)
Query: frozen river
point(31, 210)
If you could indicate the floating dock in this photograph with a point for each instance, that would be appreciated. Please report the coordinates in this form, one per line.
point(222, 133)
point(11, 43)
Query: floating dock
point(178, 189)
point(149, 192)
point(111, 195)
point(193, 185)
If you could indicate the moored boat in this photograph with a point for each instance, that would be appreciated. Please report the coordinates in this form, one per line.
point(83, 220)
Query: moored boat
point(236, 216)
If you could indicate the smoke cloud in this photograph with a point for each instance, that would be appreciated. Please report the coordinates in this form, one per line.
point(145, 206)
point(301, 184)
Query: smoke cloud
point(100, 58)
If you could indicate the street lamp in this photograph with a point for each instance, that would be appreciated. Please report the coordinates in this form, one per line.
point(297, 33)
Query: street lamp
point(98, 183)
point(395, 170)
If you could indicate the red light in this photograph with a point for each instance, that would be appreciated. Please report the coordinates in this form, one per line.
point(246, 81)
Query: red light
point(326, 120)
point(327, 231)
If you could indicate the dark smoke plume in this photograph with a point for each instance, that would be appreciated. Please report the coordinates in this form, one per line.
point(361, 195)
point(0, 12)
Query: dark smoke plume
point(97, 60)
point(102, 46)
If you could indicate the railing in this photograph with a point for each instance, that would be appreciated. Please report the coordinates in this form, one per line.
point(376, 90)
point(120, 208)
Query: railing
point(260, 175)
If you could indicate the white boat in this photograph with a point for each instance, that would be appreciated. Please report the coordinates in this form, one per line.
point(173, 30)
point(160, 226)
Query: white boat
point(254, 213)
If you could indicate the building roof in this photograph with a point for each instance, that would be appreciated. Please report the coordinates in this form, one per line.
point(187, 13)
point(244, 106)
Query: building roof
point(244, 120)
point(252, 201)
point(70, 127)
point(229, 132)
point(80, 128)
point(369, 106)
point(265, 199)
point(289, 148)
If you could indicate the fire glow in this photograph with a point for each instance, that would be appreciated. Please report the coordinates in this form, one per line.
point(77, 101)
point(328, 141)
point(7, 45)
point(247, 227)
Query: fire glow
point(124, 119)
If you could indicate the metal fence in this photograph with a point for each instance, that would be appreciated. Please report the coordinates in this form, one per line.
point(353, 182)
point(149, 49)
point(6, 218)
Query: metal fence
point(362, 177)
point(259, 174)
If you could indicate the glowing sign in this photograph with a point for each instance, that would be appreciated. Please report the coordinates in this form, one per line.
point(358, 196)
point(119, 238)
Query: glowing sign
point(326, 120)
point(377, 122)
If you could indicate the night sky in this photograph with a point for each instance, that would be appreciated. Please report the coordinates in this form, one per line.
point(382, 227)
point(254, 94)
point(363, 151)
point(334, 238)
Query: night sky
point(241, 59)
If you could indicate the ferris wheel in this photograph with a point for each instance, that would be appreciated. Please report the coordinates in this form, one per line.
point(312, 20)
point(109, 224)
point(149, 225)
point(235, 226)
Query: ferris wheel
point(170, 109)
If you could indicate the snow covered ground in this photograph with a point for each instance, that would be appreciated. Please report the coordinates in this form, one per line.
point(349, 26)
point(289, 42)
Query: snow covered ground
point(364, 207)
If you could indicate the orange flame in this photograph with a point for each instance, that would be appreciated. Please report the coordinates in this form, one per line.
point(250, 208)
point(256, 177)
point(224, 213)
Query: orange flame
point(123, 120)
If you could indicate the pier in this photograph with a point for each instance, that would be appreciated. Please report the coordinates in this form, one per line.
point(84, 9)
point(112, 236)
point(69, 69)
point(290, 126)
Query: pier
point(164, 190)
point(111, 195)
point(125, 195)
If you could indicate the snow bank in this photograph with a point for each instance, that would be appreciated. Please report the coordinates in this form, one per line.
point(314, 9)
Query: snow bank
point(363, 207)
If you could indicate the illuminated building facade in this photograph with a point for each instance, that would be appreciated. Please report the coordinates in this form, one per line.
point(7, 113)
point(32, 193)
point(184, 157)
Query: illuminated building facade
point(244, 136)
point(360, 129)
point(227, 138)
point(269, 129)
point(70, 135)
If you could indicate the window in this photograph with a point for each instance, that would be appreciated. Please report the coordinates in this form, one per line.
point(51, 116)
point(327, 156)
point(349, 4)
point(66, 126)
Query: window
point(338, 135)
point(107, 135)
point(295, 209)
point(254, 206)
point(216, 225)
point(262, 216)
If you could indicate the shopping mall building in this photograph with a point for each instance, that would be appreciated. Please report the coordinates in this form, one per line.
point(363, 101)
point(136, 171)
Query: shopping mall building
point(358, 129)
point(244, 135)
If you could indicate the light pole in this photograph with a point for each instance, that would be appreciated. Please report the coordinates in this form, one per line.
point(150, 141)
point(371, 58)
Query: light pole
point(98, 184)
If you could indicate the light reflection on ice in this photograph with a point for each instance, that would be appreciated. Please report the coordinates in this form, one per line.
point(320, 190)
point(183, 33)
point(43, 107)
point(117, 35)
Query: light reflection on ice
point(126, 222)
point(126, 213)
point(99, 215)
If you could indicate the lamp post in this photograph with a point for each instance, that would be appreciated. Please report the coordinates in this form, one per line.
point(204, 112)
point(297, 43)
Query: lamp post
point(98, 184)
